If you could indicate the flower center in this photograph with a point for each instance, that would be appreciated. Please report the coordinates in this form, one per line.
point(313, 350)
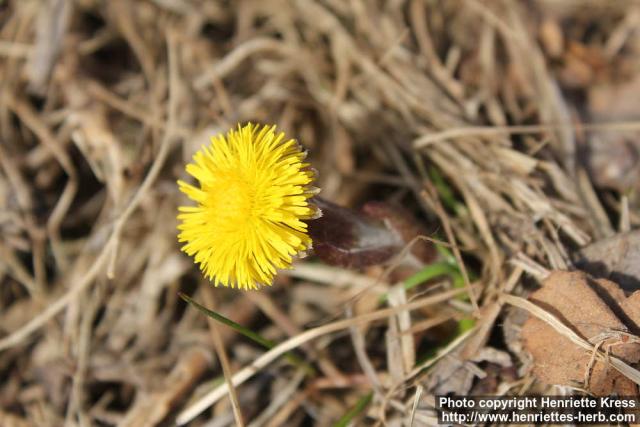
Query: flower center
point(233, 203)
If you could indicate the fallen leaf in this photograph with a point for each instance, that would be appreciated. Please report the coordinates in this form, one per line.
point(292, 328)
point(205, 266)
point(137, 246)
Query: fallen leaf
point(598, 311)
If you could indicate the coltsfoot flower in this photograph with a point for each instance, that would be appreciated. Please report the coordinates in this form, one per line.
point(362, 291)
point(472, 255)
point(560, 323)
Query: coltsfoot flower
point(252, 198)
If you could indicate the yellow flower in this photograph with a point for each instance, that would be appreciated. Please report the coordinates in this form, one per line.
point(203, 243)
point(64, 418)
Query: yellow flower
point(253, 195)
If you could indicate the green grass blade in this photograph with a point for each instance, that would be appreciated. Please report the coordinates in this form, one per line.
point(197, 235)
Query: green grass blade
point(230, 323)
point(360, 406)
point(438, 269)
point(446, 193)
point(466, 324)
point(253, 336)
point(445, 253)
point(429, 272)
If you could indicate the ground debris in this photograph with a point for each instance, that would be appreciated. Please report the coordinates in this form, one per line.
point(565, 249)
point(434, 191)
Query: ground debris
point(482, 122)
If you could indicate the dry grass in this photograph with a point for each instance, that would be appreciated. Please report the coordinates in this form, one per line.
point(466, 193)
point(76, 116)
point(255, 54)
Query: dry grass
point(102, 103)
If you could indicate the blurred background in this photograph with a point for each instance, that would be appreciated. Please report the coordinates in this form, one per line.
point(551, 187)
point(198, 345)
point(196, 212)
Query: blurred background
point(505, 128)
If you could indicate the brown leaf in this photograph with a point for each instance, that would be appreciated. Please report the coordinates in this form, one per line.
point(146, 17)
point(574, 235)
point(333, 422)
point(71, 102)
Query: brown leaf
point(355, 239)
point(597, 310)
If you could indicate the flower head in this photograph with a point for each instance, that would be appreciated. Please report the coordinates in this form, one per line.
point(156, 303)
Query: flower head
point(251, 202)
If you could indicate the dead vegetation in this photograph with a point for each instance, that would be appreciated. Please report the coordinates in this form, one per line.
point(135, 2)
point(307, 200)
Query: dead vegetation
point(510, 129)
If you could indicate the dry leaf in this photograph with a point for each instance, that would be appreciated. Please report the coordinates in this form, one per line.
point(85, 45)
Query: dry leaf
point(598, 311)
